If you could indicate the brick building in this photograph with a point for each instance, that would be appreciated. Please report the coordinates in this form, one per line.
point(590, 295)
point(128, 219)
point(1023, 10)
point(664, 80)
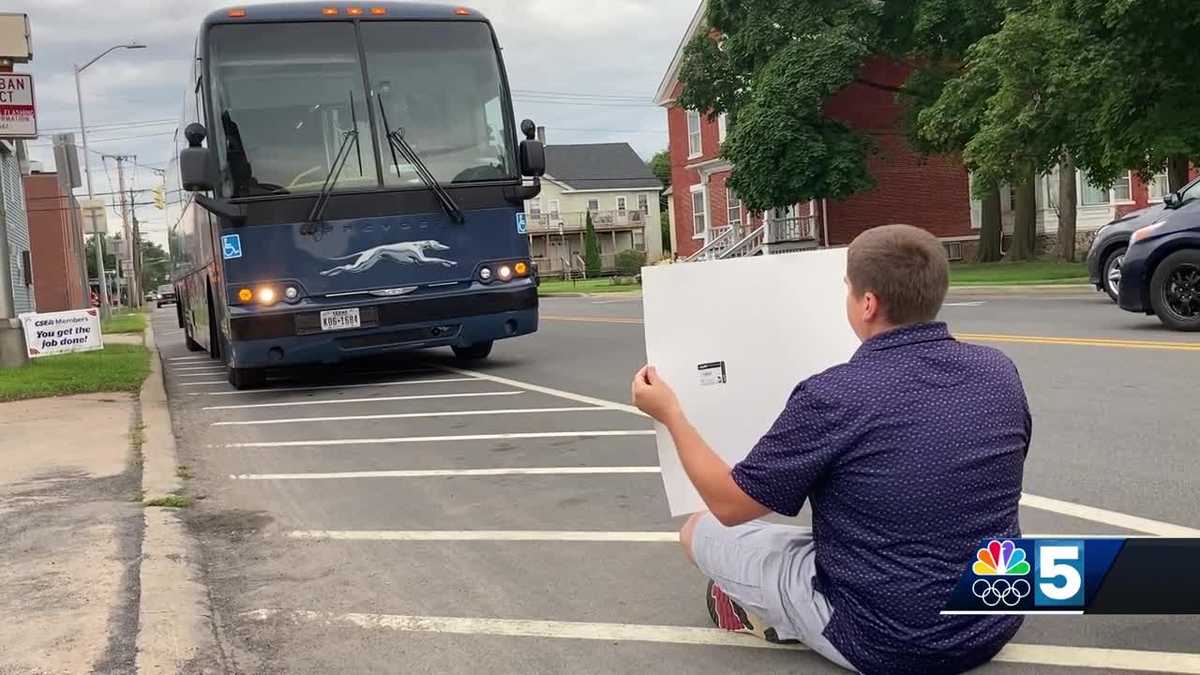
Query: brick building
point(929, 192)
point(56, 243)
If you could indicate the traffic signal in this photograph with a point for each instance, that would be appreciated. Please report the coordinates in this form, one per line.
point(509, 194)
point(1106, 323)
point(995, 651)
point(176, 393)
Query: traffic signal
point(160, 197)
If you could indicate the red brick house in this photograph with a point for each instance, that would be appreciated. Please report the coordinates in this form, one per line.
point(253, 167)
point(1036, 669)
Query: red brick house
point(929, 192)
point(56, 244)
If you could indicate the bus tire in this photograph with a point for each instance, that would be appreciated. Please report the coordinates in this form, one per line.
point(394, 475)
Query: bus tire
point(475, 352)
point(246, 378)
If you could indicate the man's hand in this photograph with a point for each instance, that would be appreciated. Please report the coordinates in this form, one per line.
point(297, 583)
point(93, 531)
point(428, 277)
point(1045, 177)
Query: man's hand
point(653, 396)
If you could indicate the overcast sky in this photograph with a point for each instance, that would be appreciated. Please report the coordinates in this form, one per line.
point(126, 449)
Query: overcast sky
point(614, 52)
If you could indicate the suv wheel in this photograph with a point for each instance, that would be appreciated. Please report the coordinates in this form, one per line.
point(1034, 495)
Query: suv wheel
point(1175, 290)
point(476, 352)
point(1111, 272)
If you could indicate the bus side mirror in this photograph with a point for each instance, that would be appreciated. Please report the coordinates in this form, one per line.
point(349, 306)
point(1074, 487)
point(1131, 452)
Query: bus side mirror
point(1171, 200)
point(533, 153)
point(195, 161)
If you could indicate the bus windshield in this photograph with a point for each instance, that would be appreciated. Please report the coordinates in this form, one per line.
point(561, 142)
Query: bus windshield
point(287, 96)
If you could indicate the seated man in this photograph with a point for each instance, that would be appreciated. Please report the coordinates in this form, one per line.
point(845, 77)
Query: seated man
point(910, 454)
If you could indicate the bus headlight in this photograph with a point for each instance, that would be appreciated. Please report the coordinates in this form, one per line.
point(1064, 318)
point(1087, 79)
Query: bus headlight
point(291, 293)
point(505, 273)
point(485, 274)
point(267, 296)
point(245, 295)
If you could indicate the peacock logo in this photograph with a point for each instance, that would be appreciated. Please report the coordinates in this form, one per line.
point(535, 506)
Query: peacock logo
point(1000, 558)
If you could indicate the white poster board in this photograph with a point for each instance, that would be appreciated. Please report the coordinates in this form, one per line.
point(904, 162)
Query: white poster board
point(734, 338)
point(18, 116)
point(52, 333)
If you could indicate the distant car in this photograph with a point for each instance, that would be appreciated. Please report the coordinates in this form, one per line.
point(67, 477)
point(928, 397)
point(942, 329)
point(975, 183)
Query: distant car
point(166, 295)
point(1160, 273)
point(1108, 248)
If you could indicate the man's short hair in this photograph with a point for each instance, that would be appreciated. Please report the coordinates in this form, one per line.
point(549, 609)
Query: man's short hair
point(905, 267)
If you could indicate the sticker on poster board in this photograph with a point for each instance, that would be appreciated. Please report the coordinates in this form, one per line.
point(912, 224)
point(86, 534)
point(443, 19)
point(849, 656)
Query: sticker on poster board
point(231, 246)
point(711, 373)
point(522, 226)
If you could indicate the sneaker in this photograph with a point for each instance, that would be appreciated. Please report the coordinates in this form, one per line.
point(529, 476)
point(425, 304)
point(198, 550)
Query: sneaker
point(730, 616)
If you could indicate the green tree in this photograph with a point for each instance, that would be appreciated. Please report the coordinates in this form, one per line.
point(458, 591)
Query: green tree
point(660, 164)
point(156, 266)
point(110, 258)
point(591, 248)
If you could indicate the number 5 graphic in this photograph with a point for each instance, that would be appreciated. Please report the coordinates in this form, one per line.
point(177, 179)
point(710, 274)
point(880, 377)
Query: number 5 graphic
point(1059, 573)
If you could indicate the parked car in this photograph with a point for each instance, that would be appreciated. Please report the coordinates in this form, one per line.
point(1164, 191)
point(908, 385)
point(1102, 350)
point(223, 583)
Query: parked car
point(1160, 273)
point(166, 295)
point(1108, 248)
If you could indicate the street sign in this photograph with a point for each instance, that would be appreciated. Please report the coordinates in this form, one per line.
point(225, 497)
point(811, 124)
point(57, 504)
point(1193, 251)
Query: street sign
point(18, 117)
point(62, 332)
point(95, 215)
point(14, 37)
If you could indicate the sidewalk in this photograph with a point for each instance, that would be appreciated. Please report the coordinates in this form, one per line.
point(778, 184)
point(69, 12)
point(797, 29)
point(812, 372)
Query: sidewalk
point(71, 524)
point(94, 580)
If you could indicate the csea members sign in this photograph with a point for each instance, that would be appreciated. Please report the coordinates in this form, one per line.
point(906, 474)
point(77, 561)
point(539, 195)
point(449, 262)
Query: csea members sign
point(62, 332)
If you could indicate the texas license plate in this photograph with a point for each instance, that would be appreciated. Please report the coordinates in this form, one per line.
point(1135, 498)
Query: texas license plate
point(340, 319)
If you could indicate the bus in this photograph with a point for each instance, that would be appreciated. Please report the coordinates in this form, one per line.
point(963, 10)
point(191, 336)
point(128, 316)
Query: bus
point(347, 182)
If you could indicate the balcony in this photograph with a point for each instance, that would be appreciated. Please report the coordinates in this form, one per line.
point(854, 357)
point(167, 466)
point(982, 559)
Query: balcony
point(546, 223)
point(787, 230)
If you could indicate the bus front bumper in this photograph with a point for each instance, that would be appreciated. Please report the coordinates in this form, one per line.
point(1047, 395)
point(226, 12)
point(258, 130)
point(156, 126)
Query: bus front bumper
point(293, 338)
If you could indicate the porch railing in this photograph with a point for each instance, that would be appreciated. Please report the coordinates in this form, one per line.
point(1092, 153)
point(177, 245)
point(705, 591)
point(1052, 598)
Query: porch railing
point(800, 228)
point(577, 221)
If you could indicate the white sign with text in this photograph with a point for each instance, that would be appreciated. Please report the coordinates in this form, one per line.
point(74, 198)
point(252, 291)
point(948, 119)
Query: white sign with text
point(62, 332)
point(734, 338)
point(18, 116)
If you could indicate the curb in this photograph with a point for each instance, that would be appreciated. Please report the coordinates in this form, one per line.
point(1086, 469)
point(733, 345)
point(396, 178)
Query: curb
point(173, 611)
point(1009, 289)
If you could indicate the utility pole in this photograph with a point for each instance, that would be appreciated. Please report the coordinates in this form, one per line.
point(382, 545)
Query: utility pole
point(136, 243)
point(130, 282)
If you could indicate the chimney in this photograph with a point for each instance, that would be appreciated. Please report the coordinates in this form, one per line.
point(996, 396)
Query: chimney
point(541, 134)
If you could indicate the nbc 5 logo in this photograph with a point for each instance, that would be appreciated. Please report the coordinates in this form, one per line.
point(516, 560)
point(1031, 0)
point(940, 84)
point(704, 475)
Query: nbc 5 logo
point(1059, 565)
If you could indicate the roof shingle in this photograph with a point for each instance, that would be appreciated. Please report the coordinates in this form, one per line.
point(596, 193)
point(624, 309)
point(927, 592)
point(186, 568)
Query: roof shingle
point(599, 166)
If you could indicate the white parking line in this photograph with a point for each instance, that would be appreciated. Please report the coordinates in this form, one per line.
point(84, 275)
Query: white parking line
point(397, 416)
point(485, 535)
point(341, 401)
point(196, 368)
point(208, 373)
point(436, 439)
point(457, 473)
point(1084, 512)
point(570, 396)
point(189, 358)
point(1043, 655)
point(1122, 520)
point(975, 303)
point(398, 383)
point(197, 384)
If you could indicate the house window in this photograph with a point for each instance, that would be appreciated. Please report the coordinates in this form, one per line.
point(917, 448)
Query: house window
point(535, 210)
point(699, 212)
point(735, 207)
point(622, 205)
point(644, 204)
point(554, 209)
point(695, 144)
point(1159, 187)
point(593, 205)
point(27, 267)
point(1090, 195)
point(1120, 190)
point(722, 124)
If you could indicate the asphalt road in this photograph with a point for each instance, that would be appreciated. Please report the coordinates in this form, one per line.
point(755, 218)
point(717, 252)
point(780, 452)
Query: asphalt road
point(315, 567)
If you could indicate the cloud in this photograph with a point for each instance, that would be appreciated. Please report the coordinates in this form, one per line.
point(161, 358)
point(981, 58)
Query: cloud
point(613, 48)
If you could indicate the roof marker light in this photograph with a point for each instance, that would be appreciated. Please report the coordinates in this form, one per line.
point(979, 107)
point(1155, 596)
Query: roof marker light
point(329, 11)
point(237, 13)
point(462, 11)
point(379, 11)
point(354, 11)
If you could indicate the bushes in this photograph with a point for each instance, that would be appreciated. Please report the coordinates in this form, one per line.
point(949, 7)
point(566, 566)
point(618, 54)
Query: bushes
point(630, 262)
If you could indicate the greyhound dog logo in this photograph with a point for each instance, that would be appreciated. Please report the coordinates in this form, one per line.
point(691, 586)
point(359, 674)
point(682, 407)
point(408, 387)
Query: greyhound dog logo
point(408, 252)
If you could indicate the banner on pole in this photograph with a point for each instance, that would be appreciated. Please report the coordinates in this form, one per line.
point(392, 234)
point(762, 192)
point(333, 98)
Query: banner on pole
point(62, 332)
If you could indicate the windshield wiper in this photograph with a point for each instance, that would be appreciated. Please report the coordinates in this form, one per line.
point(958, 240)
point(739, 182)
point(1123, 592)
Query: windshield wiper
point(331, 179)
point(396, 142)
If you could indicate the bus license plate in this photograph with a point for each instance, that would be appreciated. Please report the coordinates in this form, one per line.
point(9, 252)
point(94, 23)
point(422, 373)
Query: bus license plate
point(340, 319)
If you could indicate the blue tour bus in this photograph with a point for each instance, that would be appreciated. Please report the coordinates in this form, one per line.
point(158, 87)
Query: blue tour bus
point(347, 182)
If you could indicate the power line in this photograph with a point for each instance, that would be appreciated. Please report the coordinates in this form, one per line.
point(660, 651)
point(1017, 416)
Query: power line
point(115, 125)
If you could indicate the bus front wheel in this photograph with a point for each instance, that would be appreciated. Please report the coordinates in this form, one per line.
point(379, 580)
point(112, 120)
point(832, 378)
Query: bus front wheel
point(475, 352)
point(246, 378)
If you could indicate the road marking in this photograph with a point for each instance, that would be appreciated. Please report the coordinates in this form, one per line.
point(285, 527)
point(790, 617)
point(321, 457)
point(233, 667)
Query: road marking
point(189, 367)
point(197, 384)
point(395, 416)
point(968, 337)
point(974, 303)
point(1121, 520)
point(341, 401)
point(1045, 655)
point(1080, 342)
point(457, 473)
point(485, 535)
point(537, 388)
point(438, 439)
point(397, 383)
point(205, 374)
point(190, 358)
point(1081, 511)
